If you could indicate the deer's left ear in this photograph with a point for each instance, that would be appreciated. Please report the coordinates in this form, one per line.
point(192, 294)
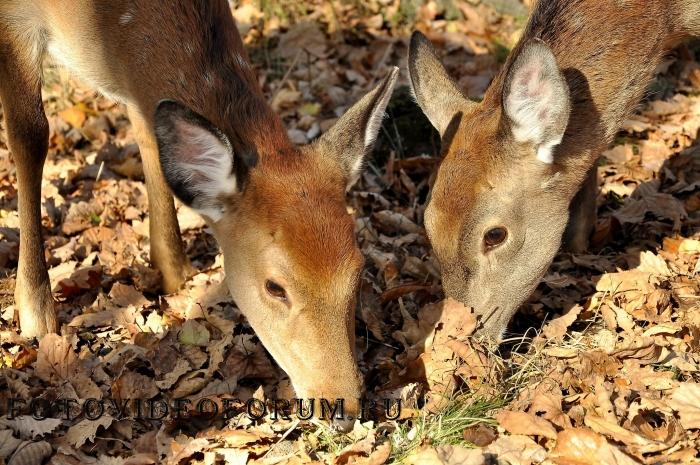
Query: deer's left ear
point(536, 99)
point(352, 137)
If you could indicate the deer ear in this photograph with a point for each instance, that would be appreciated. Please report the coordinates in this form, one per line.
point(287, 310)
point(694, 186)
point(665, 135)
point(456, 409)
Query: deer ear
point(435, 91)
point(536, 99)
point(196, 158)
point(352, 137)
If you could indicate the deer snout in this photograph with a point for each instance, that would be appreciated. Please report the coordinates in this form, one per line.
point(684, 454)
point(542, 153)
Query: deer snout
point(344, 426)
point(336, 400)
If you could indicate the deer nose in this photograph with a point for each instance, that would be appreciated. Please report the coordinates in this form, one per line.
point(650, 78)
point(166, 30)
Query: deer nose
point(344, 425)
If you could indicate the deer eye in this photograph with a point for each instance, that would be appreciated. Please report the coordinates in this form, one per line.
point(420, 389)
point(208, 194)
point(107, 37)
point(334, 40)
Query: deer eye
point(275, 290)
point(495, 237)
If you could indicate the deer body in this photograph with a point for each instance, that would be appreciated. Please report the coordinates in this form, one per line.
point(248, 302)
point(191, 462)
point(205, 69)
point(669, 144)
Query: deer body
point(206, 133)
point(513, 162)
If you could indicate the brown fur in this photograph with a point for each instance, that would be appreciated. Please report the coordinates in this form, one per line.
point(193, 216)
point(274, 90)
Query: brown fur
point(607, 53)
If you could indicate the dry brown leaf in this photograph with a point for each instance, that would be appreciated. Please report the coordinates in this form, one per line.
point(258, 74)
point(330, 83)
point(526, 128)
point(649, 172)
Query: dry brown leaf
point(239, 438)
point(380, 455)
point(395, 222)
point(74, 115)
point(81, 216)
point(304, 36)
point(30, 453)
point(480, 435)
point(446, 455)
point(247, 359)
point(29, 428)
point(644, 350)
point(115, 317)
point(133, 385)
point(526, 424)
point(624, 281)
point(558, 326)
point(193, 333)
point(653, 153)
point(649, 262)
point(549, 405)
point(620, 434)
point(661, 205)
point(56, 360)
point(686, 401)
point(8, 443)
point(364, 453)
point(171, 377)
point(285, 98)
point(183, 447)
point(517, 449)
point(456, 323)
point(190, 383)
point(124, 296)
point(84, 386)
point(581, 446)
point(619, 153)
point(85, 430)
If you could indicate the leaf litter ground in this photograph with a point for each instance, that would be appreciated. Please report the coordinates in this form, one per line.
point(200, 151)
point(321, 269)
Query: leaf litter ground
point(608, 375)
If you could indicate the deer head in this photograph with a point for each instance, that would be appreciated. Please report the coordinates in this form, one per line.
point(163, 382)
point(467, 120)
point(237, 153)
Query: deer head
point(499, 204)
point(278, 212)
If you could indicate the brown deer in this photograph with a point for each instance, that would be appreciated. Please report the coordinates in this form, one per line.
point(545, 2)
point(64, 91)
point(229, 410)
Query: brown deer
point(513, 163)
point(204, 130)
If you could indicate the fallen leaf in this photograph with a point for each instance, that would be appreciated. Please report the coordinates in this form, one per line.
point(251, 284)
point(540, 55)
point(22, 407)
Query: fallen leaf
point(29, 428)
point(86, 430)
point(194, 333)
point(525, 424)
point(516, 449)
point(620, 434)
point(303, 36)
point(558, 326)
point(56, 360)
point(686, 401)
point(446, 455)
point(455, 323)
point(74, 115)
point(581, 446)
point(480, 435)
point(30, 453)
point(550, 407)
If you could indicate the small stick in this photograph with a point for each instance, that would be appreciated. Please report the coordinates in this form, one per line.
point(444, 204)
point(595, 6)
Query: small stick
point(286, 75)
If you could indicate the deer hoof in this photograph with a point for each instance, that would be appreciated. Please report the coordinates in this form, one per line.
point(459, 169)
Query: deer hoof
point(35, 308)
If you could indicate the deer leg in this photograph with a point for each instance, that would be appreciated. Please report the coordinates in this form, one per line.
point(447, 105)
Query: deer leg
point(582, 214)
point(27, 136)
point(167, 253)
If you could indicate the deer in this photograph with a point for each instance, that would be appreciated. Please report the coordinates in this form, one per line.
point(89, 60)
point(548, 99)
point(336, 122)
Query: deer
point(520, 165)
point(206, 134)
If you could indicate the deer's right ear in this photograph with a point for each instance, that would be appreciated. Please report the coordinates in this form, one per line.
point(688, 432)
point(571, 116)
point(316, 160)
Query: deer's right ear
point(435, 91)
point(536, 99)
point(196, 158)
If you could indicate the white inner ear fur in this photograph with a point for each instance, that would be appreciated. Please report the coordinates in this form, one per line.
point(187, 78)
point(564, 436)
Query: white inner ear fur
point(535, 103)
point(545, 151)
point(375, 119)
point(371, 131)
point(206, 165)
